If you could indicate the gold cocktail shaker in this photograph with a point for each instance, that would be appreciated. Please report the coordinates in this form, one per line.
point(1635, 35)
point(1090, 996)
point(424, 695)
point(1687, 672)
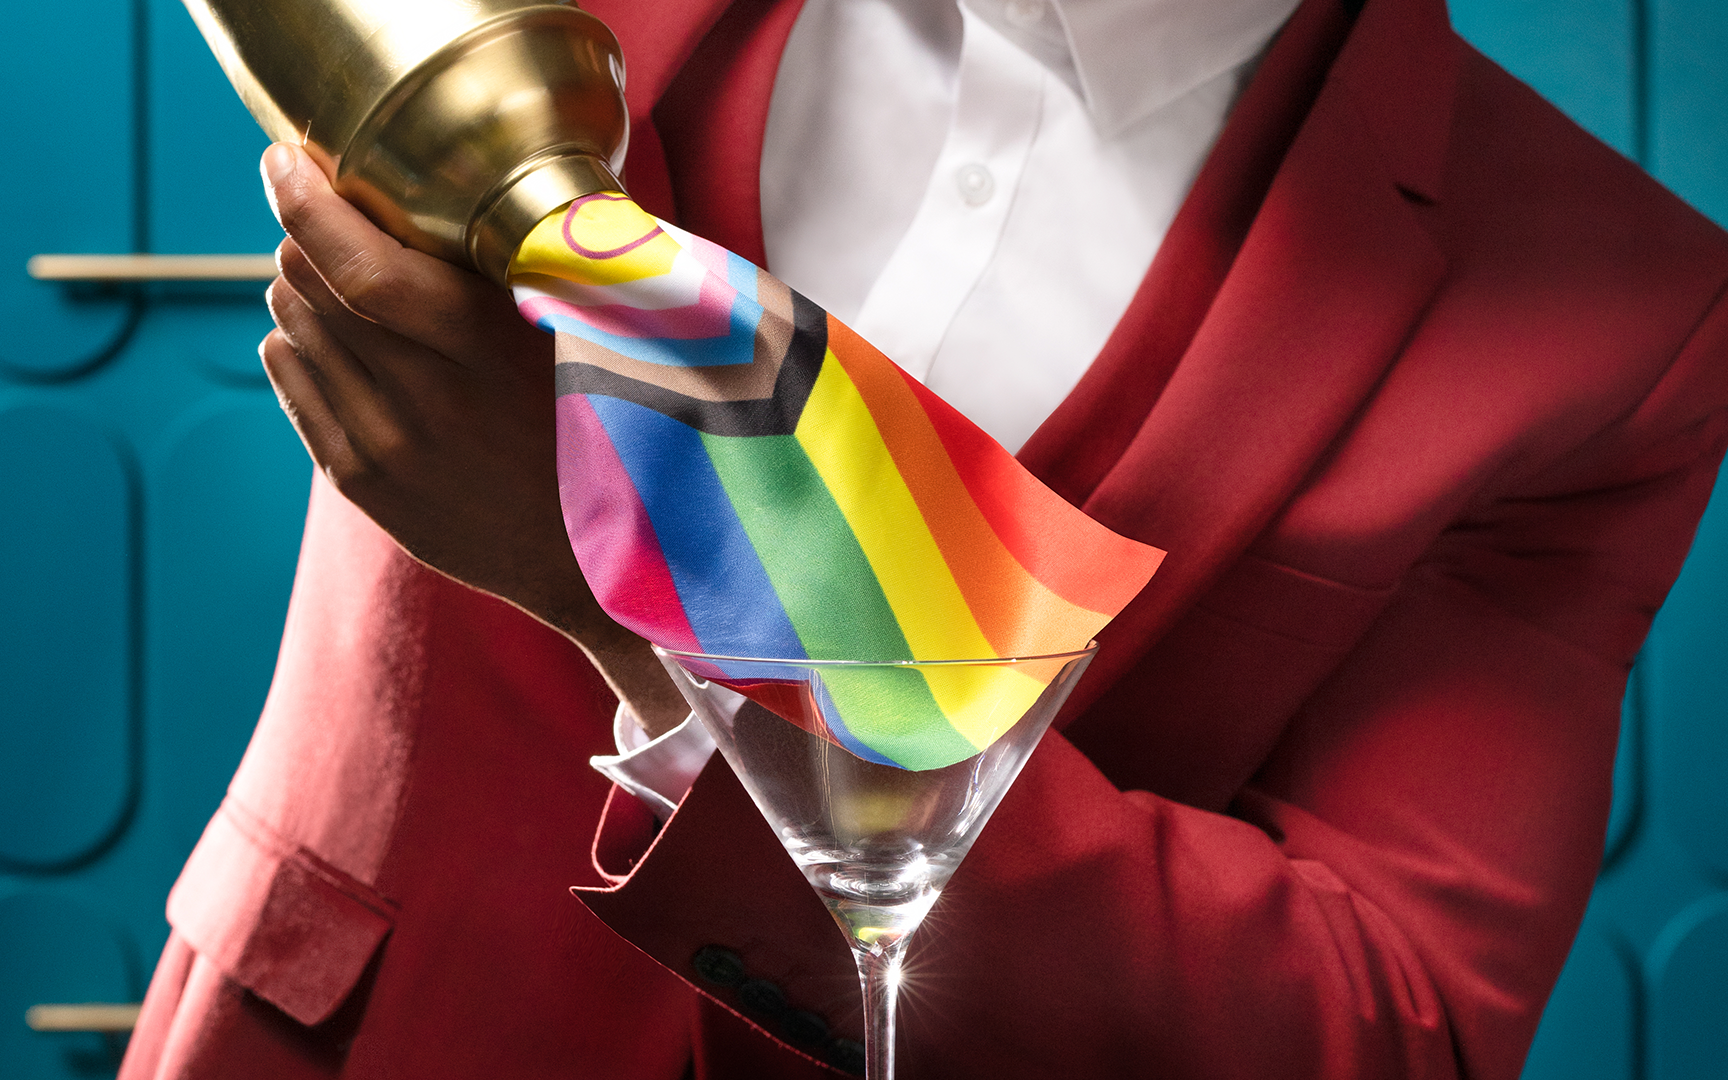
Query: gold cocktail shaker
point(457, 125)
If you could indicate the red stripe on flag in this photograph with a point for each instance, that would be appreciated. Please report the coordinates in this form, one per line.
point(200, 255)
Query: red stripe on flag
point(1074, 556)
point(1017, 614)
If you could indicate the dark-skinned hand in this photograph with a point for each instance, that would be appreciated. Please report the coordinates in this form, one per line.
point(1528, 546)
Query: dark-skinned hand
point(428, 402)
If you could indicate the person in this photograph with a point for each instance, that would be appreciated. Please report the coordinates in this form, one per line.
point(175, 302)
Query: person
point(1421, 388)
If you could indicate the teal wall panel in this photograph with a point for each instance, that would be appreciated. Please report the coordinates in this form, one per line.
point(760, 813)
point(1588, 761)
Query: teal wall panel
point(230, 495)
point(203, 188)
point(204, 195)
point(1577, 53)
point(1689, 994)
point(185, 527)
point(67, 105)
point(1630, 760)
point(58, 950)
point(1651, 78)
point(1688, 669)
point(1590, 1030)
point(66, 570)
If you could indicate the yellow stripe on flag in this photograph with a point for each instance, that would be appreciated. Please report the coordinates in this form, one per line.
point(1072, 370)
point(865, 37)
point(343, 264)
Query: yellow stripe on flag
point(982, 702)
point(841, 439)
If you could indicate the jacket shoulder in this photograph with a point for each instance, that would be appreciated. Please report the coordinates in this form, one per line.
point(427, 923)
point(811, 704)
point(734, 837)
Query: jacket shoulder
point(1525, 183)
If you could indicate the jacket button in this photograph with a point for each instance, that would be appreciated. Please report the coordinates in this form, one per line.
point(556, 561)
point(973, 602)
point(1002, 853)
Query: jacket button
point(804, 1027)
point(847, 1055)
point(718, 965)
point(762, 997)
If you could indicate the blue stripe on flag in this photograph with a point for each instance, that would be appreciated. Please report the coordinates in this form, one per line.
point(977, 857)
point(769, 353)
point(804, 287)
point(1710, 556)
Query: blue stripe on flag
point(725, 591)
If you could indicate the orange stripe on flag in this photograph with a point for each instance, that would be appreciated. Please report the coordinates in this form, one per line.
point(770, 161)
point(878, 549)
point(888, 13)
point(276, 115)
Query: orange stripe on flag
point(1088, 564)
point(1009, 603)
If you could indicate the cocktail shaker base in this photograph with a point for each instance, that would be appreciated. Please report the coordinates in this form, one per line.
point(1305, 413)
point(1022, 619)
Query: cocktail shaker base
point(525, 199)
point(456, 125)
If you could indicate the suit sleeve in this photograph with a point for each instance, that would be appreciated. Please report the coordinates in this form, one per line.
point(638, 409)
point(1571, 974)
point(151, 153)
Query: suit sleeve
point(1393, 894)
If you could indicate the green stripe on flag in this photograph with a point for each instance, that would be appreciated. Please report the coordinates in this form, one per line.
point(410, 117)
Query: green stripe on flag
point(893, 712)
point(813, 561)
point(831, 594)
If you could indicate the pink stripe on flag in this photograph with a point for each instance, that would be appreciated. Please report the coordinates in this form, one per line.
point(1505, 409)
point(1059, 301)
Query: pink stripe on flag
point(709, 317)
point(610, 532)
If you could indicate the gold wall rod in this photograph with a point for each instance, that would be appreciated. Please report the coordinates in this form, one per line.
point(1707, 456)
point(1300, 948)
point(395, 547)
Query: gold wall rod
point(152, 267)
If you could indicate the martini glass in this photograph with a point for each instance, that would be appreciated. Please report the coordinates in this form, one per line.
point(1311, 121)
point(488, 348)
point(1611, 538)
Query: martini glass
point(877, 842)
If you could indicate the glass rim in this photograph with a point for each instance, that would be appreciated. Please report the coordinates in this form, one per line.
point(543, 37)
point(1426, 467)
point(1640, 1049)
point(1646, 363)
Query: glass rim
point(685, 654)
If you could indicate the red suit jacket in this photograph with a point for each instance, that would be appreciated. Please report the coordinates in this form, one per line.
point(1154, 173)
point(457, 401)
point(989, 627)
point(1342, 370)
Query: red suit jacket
point(1424, 395)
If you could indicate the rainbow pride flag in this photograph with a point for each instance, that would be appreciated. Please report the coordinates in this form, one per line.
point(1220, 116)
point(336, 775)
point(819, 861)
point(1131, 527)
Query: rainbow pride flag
point(743, 475)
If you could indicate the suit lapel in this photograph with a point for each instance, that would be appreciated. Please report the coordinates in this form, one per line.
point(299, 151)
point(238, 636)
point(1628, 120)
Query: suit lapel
point(657, 39)
point(1089, 431)
point(1332, 277)
point(712, 120)
point(700, 75)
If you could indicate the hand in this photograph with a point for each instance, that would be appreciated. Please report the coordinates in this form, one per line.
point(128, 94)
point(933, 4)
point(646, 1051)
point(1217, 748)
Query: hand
point(428, 402)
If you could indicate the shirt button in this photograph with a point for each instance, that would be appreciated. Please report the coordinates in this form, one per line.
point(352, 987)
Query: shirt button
point(976, 184)
point(1025, 13)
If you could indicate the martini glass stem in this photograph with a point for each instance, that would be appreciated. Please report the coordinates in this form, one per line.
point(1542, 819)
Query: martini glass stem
point(879, 974)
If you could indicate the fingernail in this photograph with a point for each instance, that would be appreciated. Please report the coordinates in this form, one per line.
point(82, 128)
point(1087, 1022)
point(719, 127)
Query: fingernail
point(279, 163)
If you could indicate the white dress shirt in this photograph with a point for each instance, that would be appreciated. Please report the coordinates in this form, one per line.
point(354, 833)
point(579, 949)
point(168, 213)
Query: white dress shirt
point(978, 189)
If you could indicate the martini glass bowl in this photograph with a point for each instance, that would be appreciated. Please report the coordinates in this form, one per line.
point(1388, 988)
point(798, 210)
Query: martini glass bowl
point(876, 841)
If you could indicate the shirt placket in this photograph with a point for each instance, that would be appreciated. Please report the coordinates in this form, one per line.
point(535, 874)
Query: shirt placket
point(960, 220)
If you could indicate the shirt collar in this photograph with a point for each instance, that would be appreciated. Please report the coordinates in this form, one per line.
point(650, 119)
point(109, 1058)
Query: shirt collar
point(1129, 58)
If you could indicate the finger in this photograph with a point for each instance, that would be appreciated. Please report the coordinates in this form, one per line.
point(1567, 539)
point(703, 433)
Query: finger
point(407, 291)
point(340, 373)
point(374, 346)
point(305, 406)
point(401, 371)
point(298, 271)
point(350, 252)
point(358, 404)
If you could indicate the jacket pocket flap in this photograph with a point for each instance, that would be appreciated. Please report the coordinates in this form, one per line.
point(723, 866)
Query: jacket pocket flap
point(1295, 604)
point(275, 918)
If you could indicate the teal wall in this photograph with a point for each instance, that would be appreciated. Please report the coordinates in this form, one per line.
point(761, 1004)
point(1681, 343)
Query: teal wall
point(151, 498)
point(152, 495)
